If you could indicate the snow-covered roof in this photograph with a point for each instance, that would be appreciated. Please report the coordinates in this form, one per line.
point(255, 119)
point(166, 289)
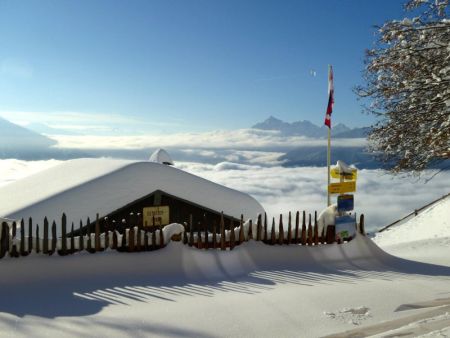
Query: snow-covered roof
point(84, 187)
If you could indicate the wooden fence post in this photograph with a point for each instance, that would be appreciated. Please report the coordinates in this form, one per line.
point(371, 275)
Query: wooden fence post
point(81, 238)
point(115, 241)
point(241, 230)
point(316, 230)
point(304, 228)
point(191, 231)
point(258, 228)
point(250, 230)
point(23, 252)
point(289, 236)
point(222, 233)
point(123, 244)
point(265, 236)
point(4, 248)
point(88, 233)
point(185, 236)
point(161, 238)
point(310, 232)
point(72, 240)
point(280, 231)
point(214, 235)
point(45, 244)
point(106, 232)
point(63, 250)
point(97, 234)
point(138, 235)
point(272, 234)
point(14, 252)
point(131, 239)
point(232, 235)
point(146, 243)
point(205, 226)
point(54, 237)
point(361, 225)
point(154, 238)
point(38, 246)
point(296, 238)
point(30, 235)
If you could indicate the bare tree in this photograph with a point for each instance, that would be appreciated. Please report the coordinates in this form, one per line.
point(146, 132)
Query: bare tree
point(407, 83)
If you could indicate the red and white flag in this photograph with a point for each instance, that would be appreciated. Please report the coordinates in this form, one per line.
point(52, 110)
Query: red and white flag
point(330, 98)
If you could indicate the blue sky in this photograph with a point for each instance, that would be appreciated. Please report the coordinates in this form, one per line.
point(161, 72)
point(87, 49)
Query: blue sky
point(179, 65)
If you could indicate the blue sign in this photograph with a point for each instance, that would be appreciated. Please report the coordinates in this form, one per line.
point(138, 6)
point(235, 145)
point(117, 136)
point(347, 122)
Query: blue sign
point(345, 203)
point(345, 227)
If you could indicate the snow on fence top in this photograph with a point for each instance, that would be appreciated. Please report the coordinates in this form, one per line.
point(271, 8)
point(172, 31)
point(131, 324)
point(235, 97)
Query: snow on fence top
point(84, 187)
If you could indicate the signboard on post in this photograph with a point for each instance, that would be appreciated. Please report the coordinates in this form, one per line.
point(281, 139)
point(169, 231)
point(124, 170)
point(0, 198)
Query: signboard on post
point(335, 173)
point(153, 216)
point(342, 187)
point(345, 203)
point(345, 227)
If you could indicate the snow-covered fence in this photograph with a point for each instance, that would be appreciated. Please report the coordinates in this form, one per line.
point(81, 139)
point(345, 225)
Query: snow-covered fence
point(17, 239)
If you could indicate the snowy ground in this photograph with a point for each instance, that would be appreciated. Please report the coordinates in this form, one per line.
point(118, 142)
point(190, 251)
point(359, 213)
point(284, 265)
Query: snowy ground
point(253, 291)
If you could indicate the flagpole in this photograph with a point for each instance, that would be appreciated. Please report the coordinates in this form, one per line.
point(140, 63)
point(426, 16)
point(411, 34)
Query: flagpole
point(329, 164)
point(331, 101)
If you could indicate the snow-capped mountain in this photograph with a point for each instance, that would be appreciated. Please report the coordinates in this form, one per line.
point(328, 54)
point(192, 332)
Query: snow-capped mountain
point(309, 129)
point(14, 137)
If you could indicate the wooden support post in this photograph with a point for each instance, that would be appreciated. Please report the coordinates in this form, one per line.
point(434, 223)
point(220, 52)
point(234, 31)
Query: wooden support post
point(191, 231)
point(232, 236)
point(304, 229)
point(241, 230)
point(331, 234)
point(123, 244)
point(199, 236)
point(30, 235)
point(97, 234)
point(289, 235)
point(23, 252)
point(63, 235)
point(316, 230)
point(310, 231)
point(362, 230)
point(272, 234)
point(4, 247)
point(297, 223)
point(280, 231)
point(54, 238)
point(45, 244)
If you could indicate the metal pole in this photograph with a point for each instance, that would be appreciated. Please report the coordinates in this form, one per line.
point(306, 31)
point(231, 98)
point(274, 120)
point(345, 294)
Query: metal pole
point(329, 164)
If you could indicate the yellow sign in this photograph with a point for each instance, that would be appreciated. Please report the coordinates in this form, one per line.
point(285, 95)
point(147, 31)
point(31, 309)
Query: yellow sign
point(156, 216)
point(342, 187)
point(336, 174)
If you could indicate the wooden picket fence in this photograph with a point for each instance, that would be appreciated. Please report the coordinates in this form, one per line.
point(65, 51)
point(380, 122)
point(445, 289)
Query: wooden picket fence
point(18, 240)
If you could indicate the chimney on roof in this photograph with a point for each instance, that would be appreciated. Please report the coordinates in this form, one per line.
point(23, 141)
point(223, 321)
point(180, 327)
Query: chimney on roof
point(161, 156)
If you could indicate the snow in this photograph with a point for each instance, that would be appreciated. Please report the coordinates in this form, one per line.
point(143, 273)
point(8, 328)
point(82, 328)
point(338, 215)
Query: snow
point(352, 289)
point(84, 187)
point(161, 156)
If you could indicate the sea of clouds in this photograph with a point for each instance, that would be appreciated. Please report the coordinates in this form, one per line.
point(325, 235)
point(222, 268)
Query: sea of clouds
point(382, 198)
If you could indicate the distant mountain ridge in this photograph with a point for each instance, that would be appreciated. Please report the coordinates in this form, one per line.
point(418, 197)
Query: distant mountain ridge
point(309, 129)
